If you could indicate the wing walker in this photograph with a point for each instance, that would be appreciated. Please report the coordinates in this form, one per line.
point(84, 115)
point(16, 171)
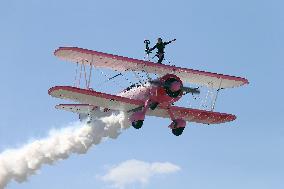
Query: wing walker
point(154, 96)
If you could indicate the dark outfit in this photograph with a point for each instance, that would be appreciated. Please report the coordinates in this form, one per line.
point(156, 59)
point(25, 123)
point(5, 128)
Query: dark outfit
point(160, 53)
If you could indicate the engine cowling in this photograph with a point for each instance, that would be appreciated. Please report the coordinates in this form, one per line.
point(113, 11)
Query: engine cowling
point(173, 87)
point(168, 88)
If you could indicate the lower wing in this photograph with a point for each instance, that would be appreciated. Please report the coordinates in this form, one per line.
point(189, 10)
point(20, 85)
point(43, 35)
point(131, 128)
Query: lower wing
point(93, 99)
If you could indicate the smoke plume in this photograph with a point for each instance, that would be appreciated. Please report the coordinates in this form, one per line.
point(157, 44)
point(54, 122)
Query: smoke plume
point(19, 164)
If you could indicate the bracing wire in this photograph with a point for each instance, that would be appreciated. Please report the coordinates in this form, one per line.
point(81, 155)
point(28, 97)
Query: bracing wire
point(90, 75)
point(85, 75)
point(76, 73)
point(80, 75)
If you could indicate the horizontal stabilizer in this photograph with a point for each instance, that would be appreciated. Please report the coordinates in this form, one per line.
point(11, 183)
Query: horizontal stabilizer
point(76, 108)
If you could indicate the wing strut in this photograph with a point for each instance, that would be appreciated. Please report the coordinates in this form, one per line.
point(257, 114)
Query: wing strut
point(78, 76)
point(90, 75)
point(215, 98)
point(76, 73)
point(85, 76)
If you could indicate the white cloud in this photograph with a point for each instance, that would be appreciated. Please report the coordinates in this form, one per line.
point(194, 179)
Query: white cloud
point(135, 171)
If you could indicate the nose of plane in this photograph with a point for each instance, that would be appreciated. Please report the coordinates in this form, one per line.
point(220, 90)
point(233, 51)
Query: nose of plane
point(175, 86)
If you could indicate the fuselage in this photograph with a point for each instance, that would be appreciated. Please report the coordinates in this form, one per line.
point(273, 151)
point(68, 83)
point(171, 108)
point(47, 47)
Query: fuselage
point(164, 90)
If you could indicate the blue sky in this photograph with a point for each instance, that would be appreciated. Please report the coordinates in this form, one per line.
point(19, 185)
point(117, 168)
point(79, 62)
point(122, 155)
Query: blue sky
point(242, 38)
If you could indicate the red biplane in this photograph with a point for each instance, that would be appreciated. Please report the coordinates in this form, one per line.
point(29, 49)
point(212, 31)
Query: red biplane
point(154, 97)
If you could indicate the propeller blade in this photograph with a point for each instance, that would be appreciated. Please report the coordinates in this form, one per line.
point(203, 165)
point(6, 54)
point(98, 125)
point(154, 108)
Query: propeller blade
point(185, 90)
point(191, 90)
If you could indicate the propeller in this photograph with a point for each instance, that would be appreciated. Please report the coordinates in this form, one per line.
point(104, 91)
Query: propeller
point(191, 90)
point(185, 90)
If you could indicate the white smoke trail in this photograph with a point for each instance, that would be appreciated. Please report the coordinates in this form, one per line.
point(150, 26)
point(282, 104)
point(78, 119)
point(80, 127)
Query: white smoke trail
point(19, 164)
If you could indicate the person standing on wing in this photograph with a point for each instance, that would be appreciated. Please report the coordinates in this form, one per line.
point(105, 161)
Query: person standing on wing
point(160, 45)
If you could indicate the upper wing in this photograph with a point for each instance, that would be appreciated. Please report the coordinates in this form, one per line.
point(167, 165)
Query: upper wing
point(94, 98)
point(120, 63)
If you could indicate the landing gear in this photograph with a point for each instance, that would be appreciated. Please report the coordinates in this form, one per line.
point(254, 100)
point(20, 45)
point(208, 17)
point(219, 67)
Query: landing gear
point(137, 119)
point(154, 105)
point(137, 124)
point(177, 126)
point(177, 131)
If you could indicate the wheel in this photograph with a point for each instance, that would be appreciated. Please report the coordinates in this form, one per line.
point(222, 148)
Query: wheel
point(137, 124)
point(178, 131)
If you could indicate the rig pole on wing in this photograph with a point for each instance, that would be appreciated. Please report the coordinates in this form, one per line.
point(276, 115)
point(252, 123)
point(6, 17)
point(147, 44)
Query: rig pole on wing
point(147, 55)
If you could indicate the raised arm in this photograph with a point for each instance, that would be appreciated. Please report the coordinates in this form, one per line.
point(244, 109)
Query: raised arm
point(165, 43)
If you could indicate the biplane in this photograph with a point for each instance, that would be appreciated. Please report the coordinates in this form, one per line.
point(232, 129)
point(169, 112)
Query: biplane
point(153, 97)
